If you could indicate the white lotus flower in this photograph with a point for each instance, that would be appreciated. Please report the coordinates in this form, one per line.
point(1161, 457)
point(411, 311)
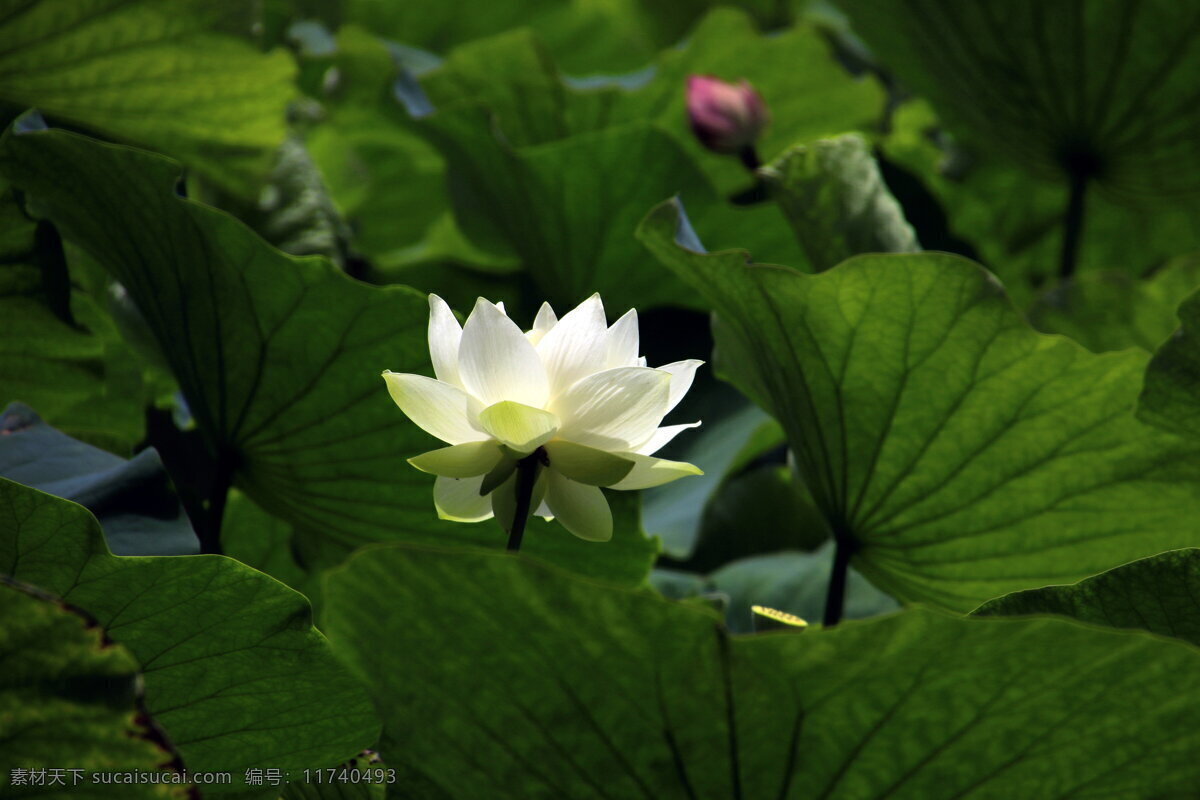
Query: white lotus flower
point(571, 395)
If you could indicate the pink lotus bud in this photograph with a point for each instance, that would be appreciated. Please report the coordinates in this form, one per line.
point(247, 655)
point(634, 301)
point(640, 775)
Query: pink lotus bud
point(725, 117)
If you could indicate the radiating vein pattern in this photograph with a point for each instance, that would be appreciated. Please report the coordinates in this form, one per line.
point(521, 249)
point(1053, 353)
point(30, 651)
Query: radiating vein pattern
point(525, 682)
point(150, 72)
point(966, 454)
point(233, 669)
point(1106, 86)
point(279, 357)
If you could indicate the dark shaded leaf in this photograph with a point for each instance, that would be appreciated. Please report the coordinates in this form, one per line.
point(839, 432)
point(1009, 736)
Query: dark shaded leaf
point(1114, 310)
point(523, 682)
point(1160, 594)
point(132, 499)
point(68, 700)
point(233, 670)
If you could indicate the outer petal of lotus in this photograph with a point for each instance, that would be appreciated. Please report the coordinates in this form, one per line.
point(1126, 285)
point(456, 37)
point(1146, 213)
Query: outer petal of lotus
point(682, 374)
point(461, 460)
point(582, 509)
point(445, 336)
point(521, 428)
point(458, 500)
point(623, 342)
point(616, 410)
point(542, 323)
point(575, 347)
point(587, 465)
point(437, 408)
point(496, 362)
point(648, 472)
point(661, 436)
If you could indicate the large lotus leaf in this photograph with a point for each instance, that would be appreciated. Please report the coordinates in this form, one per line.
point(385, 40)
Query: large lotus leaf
point(150, 72)
point(68, 701)
point(1111, 310)
point(963, 454)
point(233, 670)
point(1014, 219)
point(1160, 594)
point(279, 357)
point(144, 71)
point(132, 499)
point(569, 207)
point(503, 678)
point(1097, 86)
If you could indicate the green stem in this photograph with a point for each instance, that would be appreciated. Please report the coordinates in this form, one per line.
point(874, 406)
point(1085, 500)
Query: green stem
point(1072, 224)
point(835, 599)
point(527, 470)
point(749, 157)
point(209, 530)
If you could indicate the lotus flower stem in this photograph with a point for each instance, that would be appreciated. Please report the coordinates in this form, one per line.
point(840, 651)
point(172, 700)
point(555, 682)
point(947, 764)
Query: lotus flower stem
point(749, 157)
point(527, 470)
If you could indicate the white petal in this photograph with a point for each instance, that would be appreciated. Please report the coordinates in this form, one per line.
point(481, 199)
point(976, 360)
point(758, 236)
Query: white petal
point(522, 428)
point(623, 341)
point(575, 347)
point(617, 409)
point(437, 408)
point(649, 471)
point(544, 512)
point(583, 510)
point(542, 324)
point(458, 499)
point(682, 373)
point(496, 362)
point(545, 319)
point(460, 460)
point(445, 335)
point(663, 435)
point(641, 362)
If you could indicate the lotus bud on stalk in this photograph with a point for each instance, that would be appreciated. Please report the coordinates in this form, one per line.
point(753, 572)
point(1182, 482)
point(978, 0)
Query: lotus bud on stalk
point(537, 421)
point(727, 118)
